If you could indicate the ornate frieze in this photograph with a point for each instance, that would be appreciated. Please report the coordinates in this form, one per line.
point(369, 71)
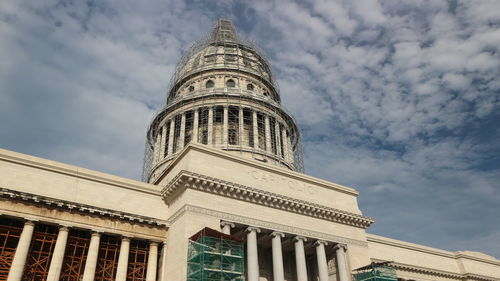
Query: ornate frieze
point(264, 225)
point(186, 179)
point(72, 206)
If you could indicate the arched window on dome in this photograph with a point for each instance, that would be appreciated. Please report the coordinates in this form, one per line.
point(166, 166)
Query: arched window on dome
point(230, 83)
point(191, 88)
point(250, 87)
point(209, 84)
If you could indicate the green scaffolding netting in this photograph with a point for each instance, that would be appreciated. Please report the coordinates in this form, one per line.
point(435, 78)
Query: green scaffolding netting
point(376, 272)
point(213, 256)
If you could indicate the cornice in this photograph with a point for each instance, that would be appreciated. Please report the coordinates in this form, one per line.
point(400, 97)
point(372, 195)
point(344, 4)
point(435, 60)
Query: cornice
point(425, 249)
point(264, 225)
point(439, 273)
point(74, 171)
point(72, 206)
point(186, 179)
point(255, 164)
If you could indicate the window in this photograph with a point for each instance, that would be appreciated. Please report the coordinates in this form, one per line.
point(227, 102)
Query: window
point(230, 58)
point(210, 59)
point(209, 84)
point(230, 83)
point(250, 87)
point(191, 88)
point(247, 62)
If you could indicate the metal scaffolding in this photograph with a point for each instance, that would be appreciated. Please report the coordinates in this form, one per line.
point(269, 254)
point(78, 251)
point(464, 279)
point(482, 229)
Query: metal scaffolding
point(223, 94)
point(214, 256)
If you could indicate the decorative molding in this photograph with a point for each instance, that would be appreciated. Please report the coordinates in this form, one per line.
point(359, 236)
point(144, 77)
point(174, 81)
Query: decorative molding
point(72, 206)
point(186, 179)
point(439, 273)
point(265, 225)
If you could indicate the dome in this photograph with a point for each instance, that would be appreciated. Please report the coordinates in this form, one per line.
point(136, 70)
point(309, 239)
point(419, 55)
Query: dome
point(223, 95)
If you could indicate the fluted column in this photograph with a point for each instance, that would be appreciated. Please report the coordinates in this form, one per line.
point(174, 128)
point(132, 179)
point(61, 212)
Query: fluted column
point(226, 227)
point(240, 126)
point(195, 125)
point(321, 260)
point(182, 136)
point(152, 262)
point(341, 263)
point(58, 256)
point(225, 122)
point(210, 125)
point(300, 258)
point(161, 270)
point(157, 148)
point(278, 138)
point(23, 246)
point(286, 147)
point(171, 137)
point(278, 271)
point(121, 271)
point(255, 130)
point(252, 254)
point(163, 140)
point(268, 134)
point(93, 253)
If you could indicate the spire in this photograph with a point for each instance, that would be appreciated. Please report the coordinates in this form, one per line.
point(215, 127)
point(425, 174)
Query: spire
point(224, 31)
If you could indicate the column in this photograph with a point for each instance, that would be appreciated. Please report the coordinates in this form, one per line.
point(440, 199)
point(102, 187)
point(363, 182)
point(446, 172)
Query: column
point(152, 262)
point(58, 255)
point(341, 264)
point(255, 130)
point(23, 246)
point(226, 227)
point(300, 258)
point(286, 147)
point(268, 134)
point(121, 271)
point(195, 125)
point(161, 271)
point(91, 263)
point(225, 126)
point(321, 260)
point(210, 125)
point(171, 137)
point(163, 140)
point(278, 272)
point(278, 138)
point(240, 125)
point(182, 136)
point(157, 148)
point(252, 254)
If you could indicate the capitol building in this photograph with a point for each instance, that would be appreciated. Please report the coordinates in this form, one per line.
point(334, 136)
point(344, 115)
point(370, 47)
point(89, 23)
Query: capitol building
point(223, 197)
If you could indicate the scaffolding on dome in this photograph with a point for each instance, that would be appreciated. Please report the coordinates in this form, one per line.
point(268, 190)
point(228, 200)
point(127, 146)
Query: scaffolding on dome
point(381, 271)
point(224, 78)
point(214, 256)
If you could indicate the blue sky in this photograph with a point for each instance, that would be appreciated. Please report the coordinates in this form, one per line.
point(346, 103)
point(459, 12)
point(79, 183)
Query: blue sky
point(398, 99)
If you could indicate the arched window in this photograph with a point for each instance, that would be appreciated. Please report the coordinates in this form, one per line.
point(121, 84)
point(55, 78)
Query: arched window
point(191, 88)
point(250, 87)
point(266, 94)
point(209, 84)
point(230, 83)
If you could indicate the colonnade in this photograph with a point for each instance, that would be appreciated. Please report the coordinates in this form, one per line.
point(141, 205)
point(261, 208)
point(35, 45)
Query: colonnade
point(300, 257)
point(263, 131)
point(56, 263)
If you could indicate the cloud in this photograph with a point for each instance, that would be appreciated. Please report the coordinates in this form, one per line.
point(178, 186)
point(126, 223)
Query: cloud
point(397, 99)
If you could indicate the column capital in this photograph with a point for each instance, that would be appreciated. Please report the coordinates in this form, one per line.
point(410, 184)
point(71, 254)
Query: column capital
point(126, 238)
point(153, 243)
point(31, 222)
point(277, 233)
point(96, 233)
point(224, 223)
point(320, 242)
point(64, 227)
point(252, 228)
point(340, 246)
point(299, 238)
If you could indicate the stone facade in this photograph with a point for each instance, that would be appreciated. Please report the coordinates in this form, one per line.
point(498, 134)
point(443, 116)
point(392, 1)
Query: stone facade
point(237, 172)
